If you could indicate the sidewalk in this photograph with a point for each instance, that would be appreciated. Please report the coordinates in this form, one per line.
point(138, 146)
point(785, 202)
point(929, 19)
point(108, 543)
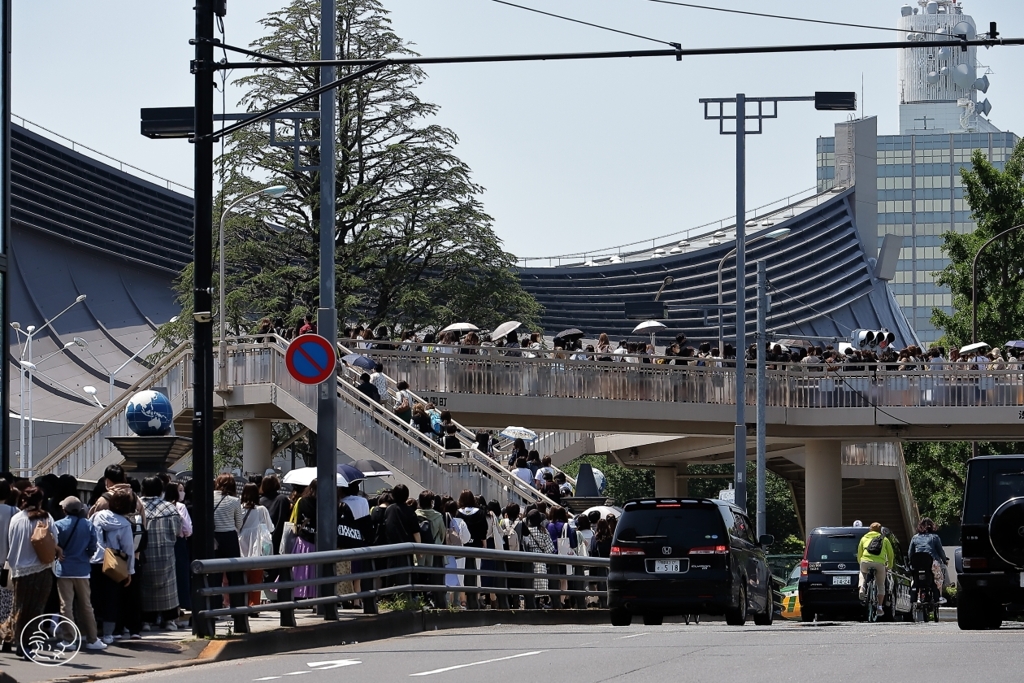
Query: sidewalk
point(162, 649)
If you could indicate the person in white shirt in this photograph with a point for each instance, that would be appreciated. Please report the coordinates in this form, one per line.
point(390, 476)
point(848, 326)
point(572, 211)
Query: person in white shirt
point(380, 380)
point(522, 471)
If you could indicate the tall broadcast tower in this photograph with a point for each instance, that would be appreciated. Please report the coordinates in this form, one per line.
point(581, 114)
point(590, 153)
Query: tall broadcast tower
point(938, 87)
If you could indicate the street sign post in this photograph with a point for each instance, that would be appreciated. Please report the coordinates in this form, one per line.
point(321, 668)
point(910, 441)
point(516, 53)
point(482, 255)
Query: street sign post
point(311, 359)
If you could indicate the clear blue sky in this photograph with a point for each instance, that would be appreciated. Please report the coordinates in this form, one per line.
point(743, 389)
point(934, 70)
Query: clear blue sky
point(574, 156)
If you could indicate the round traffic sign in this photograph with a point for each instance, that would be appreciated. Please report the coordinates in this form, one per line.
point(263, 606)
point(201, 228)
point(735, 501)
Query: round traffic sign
point(311, 359)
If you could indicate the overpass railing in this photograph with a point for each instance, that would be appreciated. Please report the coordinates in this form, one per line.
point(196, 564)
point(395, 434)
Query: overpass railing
point(790, 385)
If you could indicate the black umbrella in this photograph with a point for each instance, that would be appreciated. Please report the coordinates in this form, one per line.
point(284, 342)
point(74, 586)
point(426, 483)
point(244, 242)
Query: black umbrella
point(370, 468)
point(359, 361)
point(571, 334)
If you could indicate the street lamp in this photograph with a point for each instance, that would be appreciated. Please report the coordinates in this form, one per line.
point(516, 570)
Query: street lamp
point(84, 343)
point(778, 233)
point(974, 281)
point(91, 390)
point(27, 368)
point(272, 191)
point(822, 101)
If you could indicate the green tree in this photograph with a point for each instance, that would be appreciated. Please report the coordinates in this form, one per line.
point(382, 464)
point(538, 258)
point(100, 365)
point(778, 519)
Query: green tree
point(413, 245)
point(996, 198)
point(937, 473)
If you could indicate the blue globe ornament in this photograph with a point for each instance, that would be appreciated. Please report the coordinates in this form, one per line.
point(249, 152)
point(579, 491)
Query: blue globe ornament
point(601, 481)
point(149, 413)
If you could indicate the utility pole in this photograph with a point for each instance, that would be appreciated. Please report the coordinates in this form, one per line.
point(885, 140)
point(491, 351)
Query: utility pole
point(202, 353)
point(762, 338)
point(327, 316)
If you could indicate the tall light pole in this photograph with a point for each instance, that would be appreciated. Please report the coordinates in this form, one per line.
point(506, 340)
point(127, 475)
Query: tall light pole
point(774, 234)
point(27, 368)
point(327, 315)
point(84, 343)
point(222, 360)
point(740, 116)
point(974, 280)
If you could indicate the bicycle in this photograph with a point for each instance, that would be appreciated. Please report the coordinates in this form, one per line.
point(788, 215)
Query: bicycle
point(926, 593)
point(871, 595)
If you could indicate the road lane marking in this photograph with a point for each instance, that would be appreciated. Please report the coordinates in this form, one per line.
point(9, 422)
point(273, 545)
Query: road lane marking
point(486, 661)
point(297, 673)
point(266, 678)
point(635, 635)
point(335, 664)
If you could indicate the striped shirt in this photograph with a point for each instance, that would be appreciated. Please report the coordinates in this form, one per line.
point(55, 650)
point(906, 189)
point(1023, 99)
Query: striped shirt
point(227, 512)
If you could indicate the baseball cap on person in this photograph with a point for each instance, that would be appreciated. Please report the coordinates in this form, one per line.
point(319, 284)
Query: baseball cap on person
point(72, 505)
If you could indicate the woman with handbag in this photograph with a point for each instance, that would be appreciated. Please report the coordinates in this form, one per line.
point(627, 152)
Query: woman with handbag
point(305, 541)
point(114, 562)
point(159, 583)
point(227, 520)
point(33, 548)
point(403, 402)
point(255, 538)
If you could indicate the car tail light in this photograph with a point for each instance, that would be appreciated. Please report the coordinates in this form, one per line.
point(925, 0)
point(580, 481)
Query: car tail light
point(710, 550)
point(620, 551)
point(975, 563)
point(803, 562)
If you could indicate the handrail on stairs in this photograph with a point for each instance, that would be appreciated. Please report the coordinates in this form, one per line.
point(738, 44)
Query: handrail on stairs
point(463, 432)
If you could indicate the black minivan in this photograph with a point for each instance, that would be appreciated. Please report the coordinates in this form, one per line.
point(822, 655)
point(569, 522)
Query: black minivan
point(679, 556)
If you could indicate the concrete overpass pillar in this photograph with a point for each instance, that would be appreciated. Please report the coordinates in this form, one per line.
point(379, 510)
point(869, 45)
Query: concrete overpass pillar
point(257, 446)
point(665, 482)
point(682, 484)
point(824, 484)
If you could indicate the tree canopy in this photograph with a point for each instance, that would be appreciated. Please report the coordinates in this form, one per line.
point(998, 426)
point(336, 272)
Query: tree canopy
point(996, 198)
point(413, 244)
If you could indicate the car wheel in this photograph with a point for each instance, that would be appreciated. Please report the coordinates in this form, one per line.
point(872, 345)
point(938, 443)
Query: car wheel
point(737, 616)
point(994, 616)
point(768, 616)
point(653, 619)
point(621, 617)
point(970, 612)
point(806, 615)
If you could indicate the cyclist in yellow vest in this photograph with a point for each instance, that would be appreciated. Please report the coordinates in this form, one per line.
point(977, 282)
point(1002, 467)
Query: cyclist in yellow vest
point(881, 562)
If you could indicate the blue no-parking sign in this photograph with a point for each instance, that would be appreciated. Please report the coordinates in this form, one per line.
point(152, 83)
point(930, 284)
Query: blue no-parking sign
point(311, 359)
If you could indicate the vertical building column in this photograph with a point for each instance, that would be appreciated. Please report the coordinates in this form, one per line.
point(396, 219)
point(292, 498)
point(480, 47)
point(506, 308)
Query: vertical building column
point(823, 476)
point(682, 483)
point(257, 446)
point(665, 482)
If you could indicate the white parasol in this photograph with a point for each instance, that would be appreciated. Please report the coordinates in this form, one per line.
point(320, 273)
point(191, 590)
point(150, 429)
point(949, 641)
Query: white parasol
point(502, 330)
point(971, 348)
point(461, 328)
point(304, 475)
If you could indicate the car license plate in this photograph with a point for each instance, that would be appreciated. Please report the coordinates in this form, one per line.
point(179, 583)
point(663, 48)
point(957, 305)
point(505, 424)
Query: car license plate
point(666, 566)
point(840, 580)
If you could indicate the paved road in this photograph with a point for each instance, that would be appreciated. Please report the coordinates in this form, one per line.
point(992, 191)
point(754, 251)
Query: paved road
point(668, 654)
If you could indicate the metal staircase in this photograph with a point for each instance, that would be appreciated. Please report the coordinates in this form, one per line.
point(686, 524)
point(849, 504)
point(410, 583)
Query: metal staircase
point(259, 385)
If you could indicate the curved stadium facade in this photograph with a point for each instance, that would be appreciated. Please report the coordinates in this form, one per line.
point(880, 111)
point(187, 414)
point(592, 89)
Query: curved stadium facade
point(821, 282)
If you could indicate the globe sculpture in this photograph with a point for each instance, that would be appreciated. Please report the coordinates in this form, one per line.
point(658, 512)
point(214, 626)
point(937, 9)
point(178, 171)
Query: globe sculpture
point(600, 480)
point(149, 413)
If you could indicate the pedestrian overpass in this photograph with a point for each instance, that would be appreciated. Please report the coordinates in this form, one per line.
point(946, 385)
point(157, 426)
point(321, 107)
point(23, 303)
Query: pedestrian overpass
point(819, 424)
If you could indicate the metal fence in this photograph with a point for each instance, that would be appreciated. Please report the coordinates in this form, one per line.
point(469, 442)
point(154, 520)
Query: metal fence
point(390, 571)
point(790, 385)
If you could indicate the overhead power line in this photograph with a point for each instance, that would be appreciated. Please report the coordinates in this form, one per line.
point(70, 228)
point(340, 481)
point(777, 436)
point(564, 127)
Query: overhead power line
point(788, 18)
point(585, 23)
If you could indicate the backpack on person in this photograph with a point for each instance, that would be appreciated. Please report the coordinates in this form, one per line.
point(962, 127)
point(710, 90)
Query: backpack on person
point(435, 423)
point(426, 532)
point(875, 545)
